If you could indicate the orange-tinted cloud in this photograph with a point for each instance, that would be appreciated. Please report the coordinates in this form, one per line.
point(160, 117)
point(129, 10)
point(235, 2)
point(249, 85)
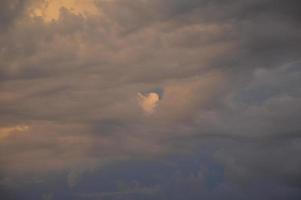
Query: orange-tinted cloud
point(7, 131)
point(50, 10)
point(148, 102)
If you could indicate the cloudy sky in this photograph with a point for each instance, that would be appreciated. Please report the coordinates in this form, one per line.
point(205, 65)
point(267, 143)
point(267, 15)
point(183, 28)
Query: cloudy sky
point(150, 99)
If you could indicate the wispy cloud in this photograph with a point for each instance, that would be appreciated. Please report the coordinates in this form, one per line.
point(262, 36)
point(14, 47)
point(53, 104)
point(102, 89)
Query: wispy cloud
point(8, 131)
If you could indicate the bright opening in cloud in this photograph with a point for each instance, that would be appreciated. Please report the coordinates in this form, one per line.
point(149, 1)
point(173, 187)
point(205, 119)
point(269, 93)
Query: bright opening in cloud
point(148, 102)
point(50, 10)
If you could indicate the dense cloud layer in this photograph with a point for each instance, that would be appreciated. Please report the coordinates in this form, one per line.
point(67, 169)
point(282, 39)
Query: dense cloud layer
point(221, 78)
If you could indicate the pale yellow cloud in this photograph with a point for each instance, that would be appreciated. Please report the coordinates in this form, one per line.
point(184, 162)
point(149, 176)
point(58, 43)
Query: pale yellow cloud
point(148, 102)
point(7, 131)
point(50, 9)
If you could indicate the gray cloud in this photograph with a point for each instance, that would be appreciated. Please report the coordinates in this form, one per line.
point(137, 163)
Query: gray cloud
point(10, 11)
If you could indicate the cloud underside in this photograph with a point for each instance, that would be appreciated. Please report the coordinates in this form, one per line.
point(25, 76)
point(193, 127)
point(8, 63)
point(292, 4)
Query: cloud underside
point(71, 74)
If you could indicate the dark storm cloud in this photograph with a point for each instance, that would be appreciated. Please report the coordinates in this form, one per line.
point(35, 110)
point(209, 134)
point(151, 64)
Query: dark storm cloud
point(227, 73)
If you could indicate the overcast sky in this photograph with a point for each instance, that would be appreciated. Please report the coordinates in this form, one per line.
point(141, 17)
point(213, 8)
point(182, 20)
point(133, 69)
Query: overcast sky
point(150, 99)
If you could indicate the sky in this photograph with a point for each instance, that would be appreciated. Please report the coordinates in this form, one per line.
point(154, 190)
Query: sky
point(150, 99)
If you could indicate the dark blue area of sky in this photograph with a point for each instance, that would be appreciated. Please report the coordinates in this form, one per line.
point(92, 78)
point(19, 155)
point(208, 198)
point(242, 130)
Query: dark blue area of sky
point(189, 177)
point(134, 179)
